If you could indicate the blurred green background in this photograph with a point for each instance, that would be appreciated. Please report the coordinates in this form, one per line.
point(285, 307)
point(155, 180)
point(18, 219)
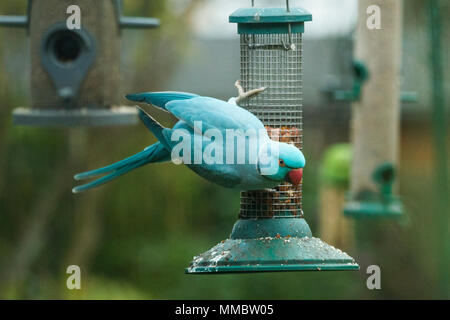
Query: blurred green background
point(133, 238)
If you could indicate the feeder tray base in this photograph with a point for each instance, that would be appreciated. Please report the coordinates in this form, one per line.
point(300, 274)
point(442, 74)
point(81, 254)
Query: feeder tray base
point(373, 209)
point(77, 117)
point(271, 254)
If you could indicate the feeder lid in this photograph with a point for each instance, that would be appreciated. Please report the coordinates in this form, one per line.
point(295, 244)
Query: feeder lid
point(270, 20)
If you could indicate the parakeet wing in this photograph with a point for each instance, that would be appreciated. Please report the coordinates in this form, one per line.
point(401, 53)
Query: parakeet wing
point(214, 114)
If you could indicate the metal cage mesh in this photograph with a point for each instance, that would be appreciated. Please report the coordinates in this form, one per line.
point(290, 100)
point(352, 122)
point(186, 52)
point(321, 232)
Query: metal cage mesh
point(265, 62)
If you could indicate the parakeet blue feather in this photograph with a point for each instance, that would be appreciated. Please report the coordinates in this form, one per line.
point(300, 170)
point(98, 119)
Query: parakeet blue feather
point(154, 153)
point(211, 113)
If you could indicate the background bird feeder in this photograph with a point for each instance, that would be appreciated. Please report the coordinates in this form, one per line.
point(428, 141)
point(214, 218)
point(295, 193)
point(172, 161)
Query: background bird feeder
point(271, 233)
point(75, 72)
point(376, 116)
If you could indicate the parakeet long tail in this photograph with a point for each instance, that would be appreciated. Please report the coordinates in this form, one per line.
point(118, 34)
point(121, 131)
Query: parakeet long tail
point(157, 152)
point(154, 153)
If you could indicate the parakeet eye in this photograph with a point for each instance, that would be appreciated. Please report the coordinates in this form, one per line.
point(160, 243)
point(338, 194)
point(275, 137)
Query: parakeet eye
point(281, 163)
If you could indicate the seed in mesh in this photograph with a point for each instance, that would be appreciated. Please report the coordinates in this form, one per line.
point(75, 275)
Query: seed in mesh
point(285, 199)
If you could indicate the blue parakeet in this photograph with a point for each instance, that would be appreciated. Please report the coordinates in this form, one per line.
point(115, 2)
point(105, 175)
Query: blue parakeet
point(210, 128)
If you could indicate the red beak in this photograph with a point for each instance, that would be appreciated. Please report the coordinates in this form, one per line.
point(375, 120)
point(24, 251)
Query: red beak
point(295, 176)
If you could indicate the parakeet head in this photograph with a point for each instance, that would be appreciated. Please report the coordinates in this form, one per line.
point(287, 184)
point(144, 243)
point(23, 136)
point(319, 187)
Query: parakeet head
point(282, 162)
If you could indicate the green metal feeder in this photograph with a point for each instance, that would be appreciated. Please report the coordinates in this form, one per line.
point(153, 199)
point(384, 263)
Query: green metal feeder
point(271, 233)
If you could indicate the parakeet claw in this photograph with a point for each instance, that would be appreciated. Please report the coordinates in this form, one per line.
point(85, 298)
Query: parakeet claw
point(246, 95)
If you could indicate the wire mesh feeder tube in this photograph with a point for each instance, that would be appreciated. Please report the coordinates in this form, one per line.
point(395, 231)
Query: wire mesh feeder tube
point(271, 233)
point(266, 63)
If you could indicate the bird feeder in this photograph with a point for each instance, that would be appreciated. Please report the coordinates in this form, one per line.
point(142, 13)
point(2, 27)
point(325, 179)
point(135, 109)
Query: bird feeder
point(376, 116)
point(271, 233)
point(75, 72)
